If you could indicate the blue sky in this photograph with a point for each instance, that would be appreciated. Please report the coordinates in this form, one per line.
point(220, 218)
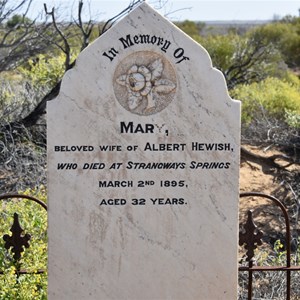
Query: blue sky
point(200, 10)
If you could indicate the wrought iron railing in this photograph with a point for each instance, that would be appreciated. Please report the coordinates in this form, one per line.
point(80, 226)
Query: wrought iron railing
point(251, 237)
point(18, 240)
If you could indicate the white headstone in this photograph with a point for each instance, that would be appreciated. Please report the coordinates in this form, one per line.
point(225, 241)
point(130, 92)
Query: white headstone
point(143, 163)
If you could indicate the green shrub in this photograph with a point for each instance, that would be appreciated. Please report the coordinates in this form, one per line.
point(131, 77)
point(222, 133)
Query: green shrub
point(221, 49)
point(191, 28)
point(292, 118)
point(33, 219)
point(243, 59)
point(16, 20)
point(44, 70)
point(285, 36)
point(271, 97)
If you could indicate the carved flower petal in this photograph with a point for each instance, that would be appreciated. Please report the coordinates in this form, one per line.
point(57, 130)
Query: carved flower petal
point(131, 92)
point(144, 70)
point(133, 69)
point(146, 89)
point(134, 101)
point(122, 79)
point(156, 69)
point(164, 86)
point(151, 103)
point(148, 76)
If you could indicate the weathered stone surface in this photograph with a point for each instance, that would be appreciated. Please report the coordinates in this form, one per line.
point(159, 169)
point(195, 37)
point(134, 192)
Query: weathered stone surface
point(143, 162)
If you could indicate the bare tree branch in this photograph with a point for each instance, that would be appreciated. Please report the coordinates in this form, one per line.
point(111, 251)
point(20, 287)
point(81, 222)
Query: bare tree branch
point(66, 48)
point(40, 109)
point(20, 41)
point(115, 18)
point(6, 11)
point(86, 30)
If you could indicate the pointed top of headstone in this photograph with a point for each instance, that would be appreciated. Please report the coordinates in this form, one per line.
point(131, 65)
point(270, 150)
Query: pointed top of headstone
point(145, 30)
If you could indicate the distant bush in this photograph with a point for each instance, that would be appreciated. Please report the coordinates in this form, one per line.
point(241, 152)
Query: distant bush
point(33, 219)
point(18, 20)
point(44, 70)
point(243, 59)
point(285, 36)
point(272, 97)
point(191, 28)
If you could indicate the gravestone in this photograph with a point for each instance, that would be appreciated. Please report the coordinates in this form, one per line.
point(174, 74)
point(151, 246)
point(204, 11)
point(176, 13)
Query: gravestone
point(143, 170)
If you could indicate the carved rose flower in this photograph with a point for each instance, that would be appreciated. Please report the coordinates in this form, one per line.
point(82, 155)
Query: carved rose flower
point(145, 82)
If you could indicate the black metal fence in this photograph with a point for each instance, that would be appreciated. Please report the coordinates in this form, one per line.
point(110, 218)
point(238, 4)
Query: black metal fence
point(17, 241)
point(250, 238)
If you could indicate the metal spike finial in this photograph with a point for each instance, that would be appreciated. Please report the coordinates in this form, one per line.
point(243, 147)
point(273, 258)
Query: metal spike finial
point(16, 241)
point(251, 238)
